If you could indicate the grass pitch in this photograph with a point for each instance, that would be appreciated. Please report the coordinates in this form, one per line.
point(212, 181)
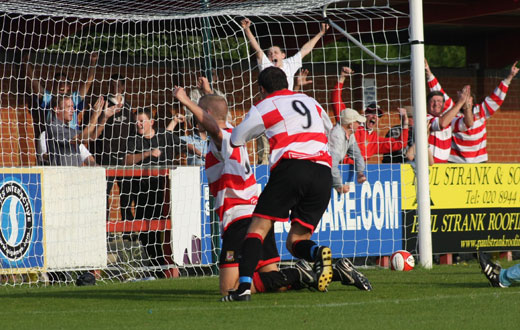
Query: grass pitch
point(442, 298)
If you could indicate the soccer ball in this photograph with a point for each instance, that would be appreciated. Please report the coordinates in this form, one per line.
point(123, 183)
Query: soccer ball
point(402, 261)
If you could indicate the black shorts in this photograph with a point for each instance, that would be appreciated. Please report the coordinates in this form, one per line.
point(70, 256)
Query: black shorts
point(232, 243)
point(300, 186)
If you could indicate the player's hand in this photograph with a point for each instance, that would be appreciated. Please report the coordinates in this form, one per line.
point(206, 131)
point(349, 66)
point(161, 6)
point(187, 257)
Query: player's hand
point(245, 23)
point(203, 85)
point(361, 177)
point(94, 58)
point(343, 189)
point(156, 153)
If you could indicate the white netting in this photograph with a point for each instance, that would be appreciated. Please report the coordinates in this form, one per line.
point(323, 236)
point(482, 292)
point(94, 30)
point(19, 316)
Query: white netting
point(158, 218)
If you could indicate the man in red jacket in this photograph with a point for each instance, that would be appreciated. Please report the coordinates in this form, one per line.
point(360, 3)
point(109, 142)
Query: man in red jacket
point(369, 142)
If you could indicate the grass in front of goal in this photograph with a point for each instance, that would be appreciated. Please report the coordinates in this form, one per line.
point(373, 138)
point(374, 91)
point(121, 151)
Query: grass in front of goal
point(442, 298)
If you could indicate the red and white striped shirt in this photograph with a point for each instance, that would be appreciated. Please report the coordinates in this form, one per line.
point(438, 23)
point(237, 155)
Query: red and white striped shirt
point(231, 181)
point(469, 146)
point(295, 125)
point(440, 139)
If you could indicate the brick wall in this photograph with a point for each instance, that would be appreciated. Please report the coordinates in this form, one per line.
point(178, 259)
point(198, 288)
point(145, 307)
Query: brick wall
point(154, 85)
point(503, 143)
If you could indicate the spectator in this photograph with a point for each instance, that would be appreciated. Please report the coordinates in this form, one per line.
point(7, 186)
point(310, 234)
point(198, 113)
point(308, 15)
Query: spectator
point(277, 57)
point(406, 154)
point(368, 141)
point(443, 120)
point(64, 144)
point(42, 98)
point(342, 142)
point(109, 148)
point(199, 142)
point(468, 144)
point(337, 101)
point(150, 147)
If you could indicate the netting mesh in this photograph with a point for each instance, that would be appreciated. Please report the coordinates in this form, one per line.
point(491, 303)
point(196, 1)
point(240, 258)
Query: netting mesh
point(161, 9)
point(156, 219)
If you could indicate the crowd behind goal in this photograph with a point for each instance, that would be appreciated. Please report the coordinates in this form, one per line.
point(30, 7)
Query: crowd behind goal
point(75, 127)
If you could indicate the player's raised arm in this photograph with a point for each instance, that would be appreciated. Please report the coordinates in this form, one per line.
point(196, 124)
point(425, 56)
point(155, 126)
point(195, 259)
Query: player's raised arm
point(207, 121)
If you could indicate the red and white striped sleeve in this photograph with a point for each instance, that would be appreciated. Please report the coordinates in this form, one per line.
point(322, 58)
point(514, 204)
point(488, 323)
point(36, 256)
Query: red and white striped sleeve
point(493, 102)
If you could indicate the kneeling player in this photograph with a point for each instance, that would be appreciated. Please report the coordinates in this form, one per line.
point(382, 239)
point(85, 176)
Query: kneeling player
point(233, 185)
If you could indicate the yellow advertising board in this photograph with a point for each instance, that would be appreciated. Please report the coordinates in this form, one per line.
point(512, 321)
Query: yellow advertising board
point(473, 207)
point(456, 186)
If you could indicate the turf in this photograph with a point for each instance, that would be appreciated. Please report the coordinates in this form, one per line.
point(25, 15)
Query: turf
point(442, 298)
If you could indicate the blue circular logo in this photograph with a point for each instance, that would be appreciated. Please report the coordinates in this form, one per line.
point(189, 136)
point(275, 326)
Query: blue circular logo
point(16, 221)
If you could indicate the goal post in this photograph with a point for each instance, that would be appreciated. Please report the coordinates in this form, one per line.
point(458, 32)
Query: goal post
point(421, 139)
point(158, 216)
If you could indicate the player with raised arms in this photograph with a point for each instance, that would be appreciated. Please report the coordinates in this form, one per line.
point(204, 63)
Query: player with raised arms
point(234, 187)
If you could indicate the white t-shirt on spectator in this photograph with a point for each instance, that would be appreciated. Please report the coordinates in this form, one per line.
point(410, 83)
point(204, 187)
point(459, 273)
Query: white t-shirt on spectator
point(290, 66)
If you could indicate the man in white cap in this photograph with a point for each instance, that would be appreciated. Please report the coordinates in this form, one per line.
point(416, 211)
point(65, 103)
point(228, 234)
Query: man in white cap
point(343, 142)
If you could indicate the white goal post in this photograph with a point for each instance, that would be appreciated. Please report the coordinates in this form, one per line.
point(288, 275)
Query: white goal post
point(158, 217)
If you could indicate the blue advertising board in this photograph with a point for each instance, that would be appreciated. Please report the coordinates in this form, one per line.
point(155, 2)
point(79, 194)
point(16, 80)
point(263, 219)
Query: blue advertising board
point(366, 221)
point(21, 221)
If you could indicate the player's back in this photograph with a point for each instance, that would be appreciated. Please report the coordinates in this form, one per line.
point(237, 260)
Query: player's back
point(296, 126)
point(231, 181)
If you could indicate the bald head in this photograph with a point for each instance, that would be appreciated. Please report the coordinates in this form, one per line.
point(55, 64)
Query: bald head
point(215, 105)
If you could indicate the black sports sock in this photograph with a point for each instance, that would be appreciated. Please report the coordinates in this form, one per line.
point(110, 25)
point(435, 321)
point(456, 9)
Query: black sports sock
point(303, 249)
point(251, 254)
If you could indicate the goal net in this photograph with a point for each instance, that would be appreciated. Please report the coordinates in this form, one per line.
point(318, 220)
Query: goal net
point(102, 171)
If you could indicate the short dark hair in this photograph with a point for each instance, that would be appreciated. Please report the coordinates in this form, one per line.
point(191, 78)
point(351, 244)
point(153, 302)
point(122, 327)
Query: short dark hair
point(144, 111)
point(432, 94)
point(273, 79)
